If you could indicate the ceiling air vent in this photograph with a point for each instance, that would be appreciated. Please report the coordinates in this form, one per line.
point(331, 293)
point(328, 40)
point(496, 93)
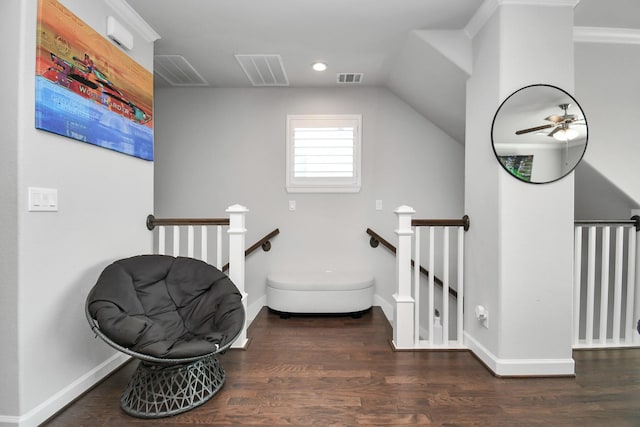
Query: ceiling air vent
point(263, 70)
point(177, 71)
point(350, 78)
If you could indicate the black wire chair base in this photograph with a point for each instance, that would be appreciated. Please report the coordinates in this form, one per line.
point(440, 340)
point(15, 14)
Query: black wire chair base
point(158, 390)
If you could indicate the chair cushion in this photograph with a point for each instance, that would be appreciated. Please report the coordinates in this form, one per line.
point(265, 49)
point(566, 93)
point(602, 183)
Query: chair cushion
point(166, 307)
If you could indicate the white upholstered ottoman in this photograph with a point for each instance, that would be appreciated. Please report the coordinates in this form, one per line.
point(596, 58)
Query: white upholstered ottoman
point(320, 292)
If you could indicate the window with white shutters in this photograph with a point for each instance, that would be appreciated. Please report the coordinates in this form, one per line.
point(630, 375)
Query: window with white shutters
point(323, 153)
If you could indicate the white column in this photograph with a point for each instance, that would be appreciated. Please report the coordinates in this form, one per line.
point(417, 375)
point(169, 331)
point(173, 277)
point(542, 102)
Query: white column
point(403, 317)
point(519, 254)
point(237, 233)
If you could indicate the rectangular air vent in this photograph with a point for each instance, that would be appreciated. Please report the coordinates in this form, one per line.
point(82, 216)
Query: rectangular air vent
point(350, 78)
point(263, 70)
point(177, 71)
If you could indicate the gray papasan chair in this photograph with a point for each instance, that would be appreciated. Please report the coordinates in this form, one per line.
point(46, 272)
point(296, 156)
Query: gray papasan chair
point(174, 314)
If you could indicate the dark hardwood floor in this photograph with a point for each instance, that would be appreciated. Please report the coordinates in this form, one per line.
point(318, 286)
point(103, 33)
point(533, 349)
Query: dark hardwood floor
point(339, 371)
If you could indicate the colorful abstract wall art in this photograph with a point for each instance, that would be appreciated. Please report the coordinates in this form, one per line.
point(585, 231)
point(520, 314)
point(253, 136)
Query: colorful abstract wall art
point(87, 88)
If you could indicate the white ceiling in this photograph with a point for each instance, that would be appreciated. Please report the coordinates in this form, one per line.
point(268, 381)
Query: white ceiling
point(392, 42)
point(361, 36)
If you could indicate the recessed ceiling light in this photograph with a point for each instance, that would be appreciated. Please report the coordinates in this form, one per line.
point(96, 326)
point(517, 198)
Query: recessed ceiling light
point(319, 66)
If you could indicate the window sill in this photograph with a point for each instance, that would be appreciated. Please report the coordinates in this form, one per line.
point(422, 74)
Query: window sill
point(322, 189)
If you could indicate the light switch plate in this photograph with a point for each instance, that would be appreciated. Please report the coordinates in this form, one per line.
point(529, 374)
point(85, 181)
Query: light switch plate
point(43, 199)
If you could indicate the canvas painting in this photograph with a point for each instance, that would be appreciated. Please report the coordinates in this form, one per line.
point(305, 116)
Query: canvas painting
point(87, 88)
point(519, 166)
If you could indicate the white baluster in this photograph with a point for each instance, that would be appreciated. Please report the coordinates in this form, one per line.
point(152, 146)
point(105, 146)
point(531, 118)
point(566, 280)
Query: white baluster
point(460, 300)
point(404, 304)
point(591, 279)
point(416, 286)
point(219, 246)
point(204, 244)
point(636, 336)
point(604, 284)
point(445, 287)
point(431, 284)
point(190, 241)
point(577, 278)
point(630, 324)
point(617, 295)
point(161, 240)
point(176, 240)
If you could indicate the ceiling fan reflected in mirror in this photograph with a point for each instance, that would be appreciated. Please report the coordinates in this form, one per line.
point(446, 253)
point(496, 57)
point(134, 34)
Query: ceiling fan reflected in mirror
point(561, 126)
point(532, 157)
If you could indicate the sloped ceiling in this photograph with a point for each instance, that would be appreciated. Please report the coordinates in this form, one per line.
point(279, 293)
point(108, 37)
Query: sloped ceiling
point(361, 36)
point(430, 74)
point(419, 49)
point(414, 47)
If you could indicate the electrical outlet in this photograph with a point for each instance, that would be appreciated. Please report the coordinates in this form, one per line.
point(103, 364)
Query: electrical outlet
point(292, 205)
point(482, 314)
point(378, 205)
point(485, 322)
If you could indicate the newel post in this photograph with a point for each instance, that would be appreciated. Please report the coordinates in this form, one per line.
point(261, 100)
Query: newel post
point(403, 316)
point(237, 233)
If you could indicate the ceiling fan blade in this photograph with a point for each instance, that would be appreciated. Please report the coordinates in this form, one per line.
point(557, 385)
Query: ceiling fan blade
point(534, 129)
point(562, 119)
point(554, 131)
point(555, 119)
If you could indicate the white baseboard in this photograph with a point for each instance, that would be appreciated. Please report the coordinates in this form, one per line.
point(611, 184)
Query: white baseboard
point(58, 401)
point(386, 307)
point(9, 421)
point(520, 367)
point(254, 309)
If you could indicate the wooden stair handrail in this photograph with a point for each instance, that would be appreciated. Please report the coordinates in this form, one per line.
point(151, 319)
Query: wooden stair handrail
point(463, 222)
point(376, 238)
point(153, 222)
point(634, 220)
point(263, 243)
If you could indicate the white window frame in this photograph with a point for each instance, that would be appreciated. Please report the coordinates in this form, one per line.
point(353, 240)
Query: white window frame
point(324, 185)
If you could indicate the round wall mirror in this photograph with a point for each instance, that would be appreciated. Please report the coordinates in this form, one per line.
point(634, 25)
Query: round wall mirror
point(539, 134)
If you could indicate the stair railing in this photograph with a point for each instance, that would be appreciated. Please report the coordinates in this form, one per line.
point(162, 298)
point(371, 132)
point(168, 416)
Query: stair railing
point(263, 243)
point(376, 239)
point(606, 293)
point(434, 337)
point(196, 228)
point(236, 232)
point(406, 320)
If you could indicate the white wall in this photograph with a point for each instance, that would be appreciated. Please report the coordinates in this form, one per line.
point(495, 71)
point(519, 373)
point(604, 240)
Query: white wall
point(606, 87)
point(217, 147)
point(9, 26)
point(597, 198)
point(104, 198)
point(482, 171)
